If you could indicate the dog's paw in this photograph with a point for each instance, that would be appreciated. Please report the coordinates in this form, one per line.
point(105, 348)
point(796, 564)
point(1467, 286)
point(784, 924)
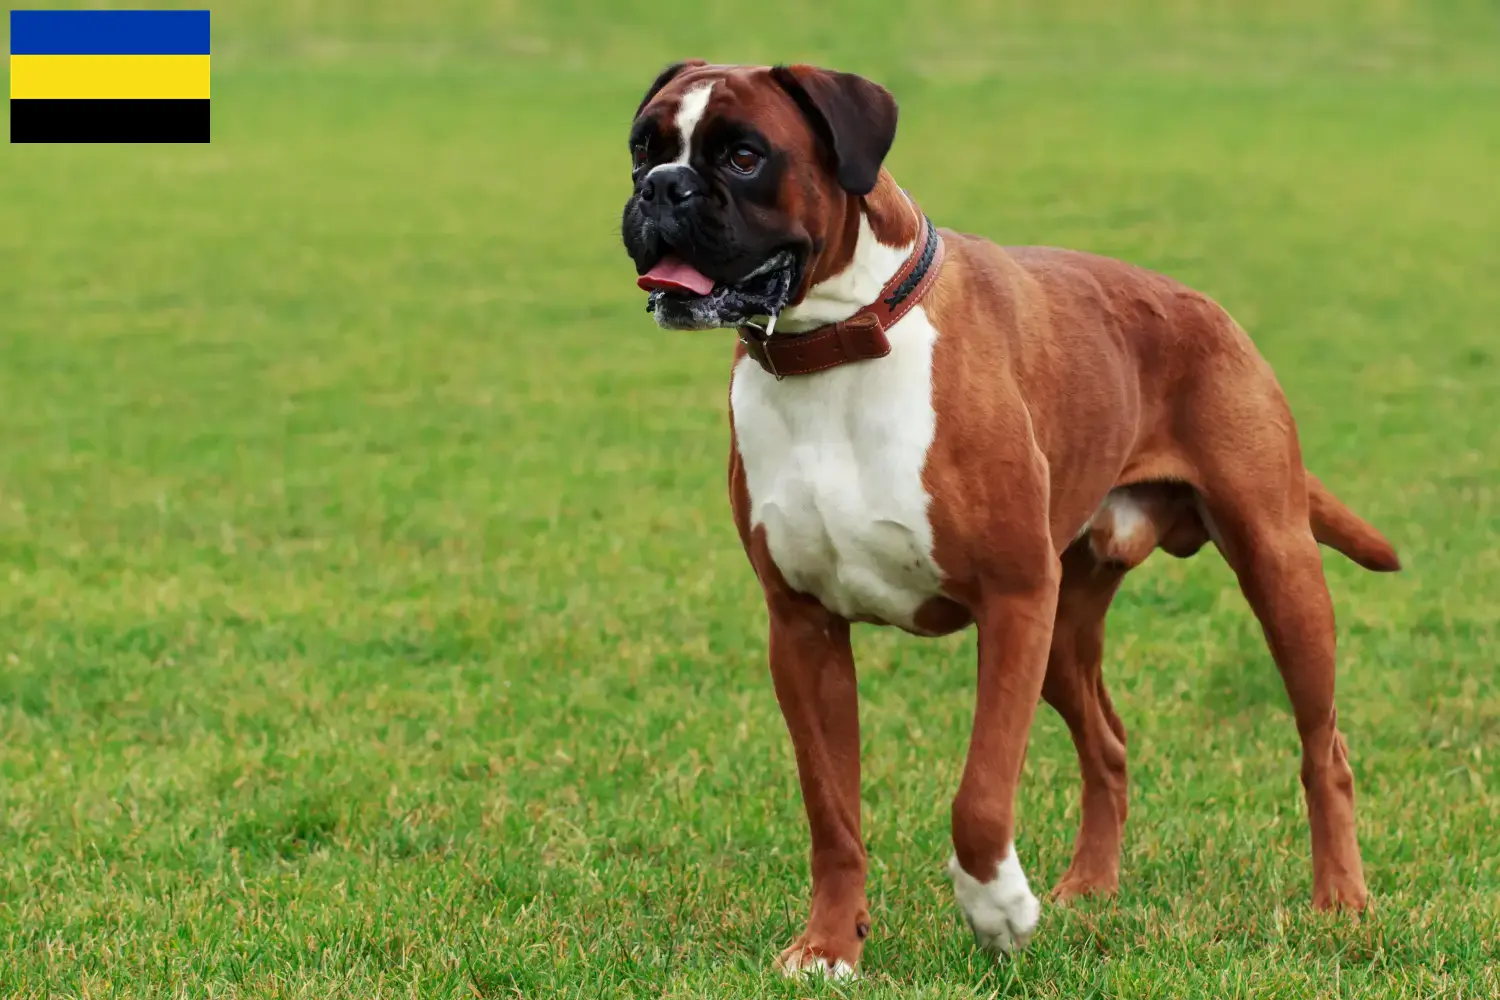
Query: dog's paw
point(1347, 894)
point(1076, 884)
point(1002, 912)
point(806, 961)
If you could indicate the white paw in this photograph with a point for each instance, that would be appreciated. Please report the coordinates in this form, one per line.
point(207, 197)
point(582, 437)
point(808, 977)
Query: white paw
point(1002, 912)
point(806, 964)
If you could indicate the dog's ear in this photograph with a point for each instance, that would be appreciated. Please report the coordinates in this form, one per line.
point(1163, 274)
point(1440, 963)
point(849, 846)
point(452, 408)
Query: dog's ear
point(665, 78)
point(855, 118)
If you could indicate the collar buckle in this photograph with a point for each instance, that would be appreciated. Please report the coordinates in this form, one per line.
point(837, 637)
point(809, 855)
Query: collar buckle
point(754, 337)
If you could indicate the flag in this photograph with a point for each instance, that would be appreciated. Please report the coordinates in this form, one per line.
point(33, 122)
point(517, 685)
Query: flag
point(109, 76)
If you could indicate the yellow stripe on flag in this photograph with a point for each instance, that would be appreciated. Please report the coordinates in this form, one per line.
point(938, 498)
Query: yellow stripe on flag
point(140, 77)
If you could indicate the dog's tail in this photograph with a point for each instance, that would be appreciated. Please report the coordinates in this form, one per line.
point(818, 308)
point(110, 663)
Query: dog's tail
point(1340, 528)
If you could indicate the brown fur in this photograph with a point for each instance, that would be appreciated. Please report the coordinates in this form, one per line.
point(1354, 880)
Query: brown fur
point(1058, 378)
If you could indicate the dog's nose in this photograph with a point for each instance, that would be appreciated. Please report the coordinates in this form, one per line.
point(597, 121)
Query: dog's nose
point(671, 186)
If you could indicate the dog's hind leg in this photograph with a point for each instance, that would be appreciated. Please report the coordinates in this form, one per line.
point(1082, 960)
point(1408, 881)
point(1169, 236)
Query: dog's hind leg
point(1075, 688)
point(1255, 505)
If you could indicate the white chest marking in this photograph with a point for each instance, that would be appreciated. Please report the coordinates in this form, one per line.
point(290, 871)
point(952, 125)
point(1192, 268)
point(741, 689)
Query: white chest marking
point(833, 465)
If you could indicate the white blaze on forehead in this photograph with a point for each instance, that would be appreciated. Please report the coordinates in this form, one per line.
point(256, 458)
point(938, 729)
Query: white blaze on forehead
point(689, 114)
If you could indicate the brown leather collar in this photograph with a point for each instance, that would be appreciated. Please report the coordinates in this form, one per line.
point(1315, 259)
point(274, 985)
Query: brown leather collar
point(861, 337)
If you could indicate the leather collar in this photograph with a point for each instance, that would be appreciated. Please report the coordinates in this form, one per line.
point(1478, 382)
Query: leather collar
point(861, 337)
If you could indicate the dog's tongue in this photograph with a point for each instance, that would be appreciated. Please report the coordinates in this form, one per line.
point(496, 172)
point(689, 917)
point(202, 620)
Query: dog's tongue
point(673, 274)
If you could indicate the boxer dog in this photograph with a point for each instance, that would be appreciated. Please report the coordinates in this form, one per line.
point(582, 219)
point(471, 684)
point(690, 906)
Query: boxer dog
point(932, 431)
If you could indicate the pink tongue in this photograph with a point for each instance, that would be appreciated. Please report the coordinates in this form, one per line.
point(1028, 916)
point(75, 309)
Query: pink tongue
point(673, 274)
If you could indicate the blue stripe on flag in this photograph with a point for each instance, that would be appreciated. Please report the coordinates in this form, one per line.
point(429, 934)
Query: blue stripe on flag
point(109, 33)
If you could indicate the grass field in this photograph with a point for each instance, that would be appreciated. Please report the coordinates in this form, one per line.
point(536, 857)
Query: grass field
point(372, 623)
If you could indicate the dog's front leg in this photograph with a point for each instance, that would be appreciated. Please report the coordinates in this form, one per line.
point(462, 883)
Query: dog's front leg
point(812, 667)
point(1015, 633)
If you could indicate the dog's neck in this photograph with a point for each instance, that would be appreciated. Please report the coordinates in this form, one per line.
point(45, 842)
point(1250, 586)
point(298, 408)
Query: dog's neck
point(878, 234)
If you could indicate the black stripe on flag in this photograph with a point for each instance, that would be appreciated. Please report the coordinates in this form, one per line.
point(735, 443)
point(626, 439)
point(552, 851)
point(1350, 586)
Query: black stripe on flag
point(112, 120)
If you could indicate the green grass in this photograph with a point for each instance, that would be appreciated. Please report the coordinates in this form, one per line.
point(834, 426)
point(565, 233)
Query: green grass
point(371, 619)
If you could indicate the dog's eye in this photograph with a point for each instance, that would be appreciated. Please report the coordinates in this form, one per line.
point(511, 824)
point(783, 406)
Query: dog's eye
point(744, 159)
point(638, 155)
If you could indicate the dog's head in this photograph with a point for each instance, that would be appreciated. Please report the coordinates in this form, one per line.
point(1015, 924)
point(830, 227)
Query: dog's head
point(742, 181)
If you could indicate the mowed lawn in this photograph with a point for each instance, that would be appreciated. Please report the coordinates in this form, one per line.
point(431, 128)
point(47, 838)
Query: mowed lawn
point(372, 623)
